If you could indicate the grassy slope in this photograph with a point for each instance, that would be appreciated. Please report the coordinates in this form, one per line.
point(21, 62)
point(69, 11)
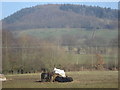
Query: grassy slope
point(55, 32)
point(83, 59)
point(83, 79)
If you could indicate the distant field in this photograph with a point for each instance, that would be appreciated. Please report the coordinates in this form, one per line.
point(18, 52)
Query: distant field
point(82, 79)
point(88, 58)
point(58, 32)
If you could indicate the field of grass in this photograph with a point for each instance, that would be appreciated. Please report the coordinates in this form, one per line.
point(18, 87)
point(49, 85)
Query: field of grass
point(89, 58)
point(58, 32)
point(82, 79)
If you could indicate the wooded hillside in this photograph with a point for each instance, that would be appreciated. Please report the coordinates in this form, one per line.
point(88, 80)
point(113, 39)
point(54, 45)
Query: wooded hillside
point(62, 16)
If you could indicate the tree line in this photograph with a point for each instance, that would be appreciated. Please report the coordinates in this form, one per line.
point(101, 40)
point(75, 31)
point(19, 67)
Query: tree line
point(27, 54)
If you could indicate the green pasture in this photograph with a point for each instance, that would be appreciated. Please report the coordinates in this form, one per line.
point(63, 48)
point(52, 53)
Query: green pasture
point(89, 58)
point(58, 32)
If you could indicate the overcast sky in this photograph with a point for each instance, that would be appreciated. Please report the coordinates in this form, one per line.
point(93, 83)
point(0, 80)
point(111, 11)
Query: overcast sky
point(9, 8)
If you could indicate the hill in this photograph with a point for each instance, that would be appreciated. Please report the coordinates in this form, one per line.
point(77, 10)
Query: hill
point(62, 16)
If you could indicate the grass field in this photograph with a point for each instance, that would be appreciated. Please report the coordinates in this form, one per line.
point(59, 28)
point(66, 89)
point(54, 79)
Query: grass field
point(82, 79)
point(58, 32)
point(87, 58)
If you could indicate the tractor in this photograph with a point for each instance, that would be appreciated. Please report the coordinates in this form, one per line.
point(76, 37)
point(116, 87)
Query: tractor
point(56, 76)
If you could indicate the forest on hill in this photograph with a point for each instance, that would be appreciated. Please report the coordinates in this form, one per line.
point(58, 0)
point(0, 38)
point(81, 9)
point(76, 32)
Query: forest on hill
point(62, 16)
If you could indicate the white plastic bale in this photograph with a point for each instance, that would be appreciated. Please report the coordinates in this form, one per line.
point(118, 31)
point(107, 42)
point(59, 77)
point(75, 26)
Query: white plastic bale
point(2, 78)
point(60, 72)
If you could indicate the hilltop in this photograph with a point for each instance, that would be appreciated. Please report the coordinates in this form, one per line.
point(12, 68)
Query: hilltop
point(62, 16)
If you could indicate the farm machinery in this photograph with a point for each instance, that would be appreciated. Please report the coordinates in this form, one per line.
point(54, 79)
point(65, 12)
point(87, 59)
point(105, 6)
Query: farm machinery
point(56, 76)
